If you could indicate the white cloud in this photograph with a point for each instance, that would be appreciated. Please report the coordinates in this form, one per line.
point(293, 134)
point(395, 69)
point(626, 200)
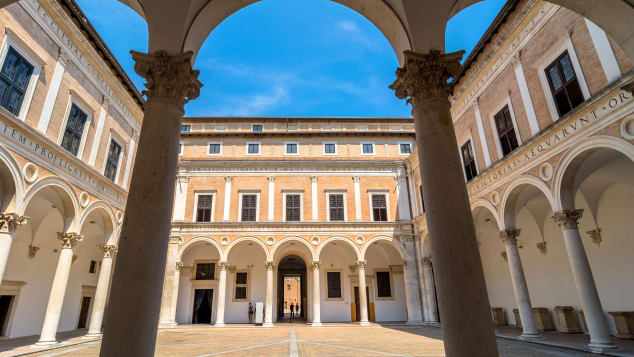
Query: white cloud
point(253, 104)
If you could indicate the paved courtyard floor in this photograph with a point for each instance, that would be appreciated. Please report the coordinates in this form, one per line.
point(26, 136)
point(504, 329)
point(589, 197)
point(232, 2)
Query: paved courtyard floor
point(291, 340)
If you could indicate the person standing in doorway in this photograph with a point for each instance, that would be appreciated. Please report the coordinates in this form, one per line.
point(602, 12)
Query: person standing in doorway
point(292, 310)
point(250, 313)
point(297, 311)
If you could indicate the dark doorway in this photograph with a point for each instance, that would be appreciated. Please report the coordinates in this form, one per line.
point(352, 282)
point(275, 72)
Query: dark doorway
point(83, 311)
point(5, 311)
point(202, 306)
point(357, 302)
point(291, 268)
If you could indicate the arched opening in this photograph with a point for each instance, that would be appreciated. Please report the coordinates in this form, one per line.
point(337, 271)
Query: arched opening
point(338, 256)
point(292, 297)
point(8, 183)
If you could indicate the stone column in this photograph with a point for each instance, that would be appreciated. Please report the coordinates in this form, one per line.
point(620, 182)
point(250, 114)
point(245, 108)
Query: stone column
point(357, 197)
point(271, 212)
point(421, 279)
point(225, 215)
point(316, 294)
point(268, 307)
point(177, 278)
point(9, 222)
point(402, 193)
point(522, 297)
point(363, 296)
point(568, 220)
point(168, 282)
point(101, 295)
point(430, 292)
point(222, 294)
point(135, 299)
point(58, 290)
point(412, 193)
point(412, 293)
point(313, 190)
point(467, 324)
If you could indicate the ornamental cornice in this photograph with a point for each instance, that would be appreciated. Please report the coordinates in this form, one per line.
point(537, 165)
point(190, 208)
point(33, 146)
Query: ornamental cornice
point(69, 240)
point(9, 222)
point(568, 219)
point(169, 77)
point(400, 229)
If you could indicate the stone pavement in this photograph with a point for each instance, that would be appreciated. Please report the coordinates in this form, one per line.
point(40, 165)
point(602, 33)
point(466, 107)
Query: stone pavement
point(292, 340)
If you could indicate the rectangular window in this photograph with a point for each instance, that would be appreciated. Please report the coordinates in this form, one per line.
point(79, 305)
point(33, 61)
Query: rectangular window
point(367, 148)
point(293, 208)
point(468, 161)
point(249, 207)
point(334, 284)
point(93, 267)
point(506, 131)
point(379, 208)
point(257, 128)
point(185, 128)
point(564, 84)
point(404, 148)
point(288, 287)
point(291, 148)
point(383, 286)
point(253, 148)
point(74, 129)
point(180, 148)
point(214, 149)
point(330, 148)
point(205, 271)
point(203, 211)
point(112, 161)
point(422, 199)
point(14, 80)
point(335, 203)
point(242, 279)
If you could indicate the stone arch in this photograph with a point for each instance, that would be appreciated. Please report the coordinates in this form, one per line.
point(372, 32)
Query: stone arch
point(249, 239)
point(486, 205)
point(566, 181)
point(108, 217)
point(399, 247)
point(278, 244)
point(67, 195)
point(328, 240)
point(11, 182)
point(509, 198)
point(425, 246)
point(200, 239)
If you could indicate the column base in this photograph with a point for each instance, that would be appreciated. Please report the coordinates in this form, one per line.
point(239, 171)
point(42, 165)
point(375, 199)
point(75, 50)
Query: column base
point(598, 347)
point(219, 324)
point(431, 323)
point(164, 325)
point(44, 343)
point(93, 335)
point(365, 323)
point(529, 336)
point(267, 324)
point(415, 323)
point(316, 324)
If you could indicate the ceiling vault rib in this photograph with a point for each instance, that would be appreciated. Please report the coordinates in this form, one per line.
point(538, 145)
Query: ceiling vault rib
point(409, 40)
point(193, 21)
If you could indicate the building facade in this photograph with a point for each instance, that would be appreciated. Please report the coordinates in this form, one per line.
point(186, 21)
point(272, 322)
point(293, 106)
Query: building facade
point(69, 122)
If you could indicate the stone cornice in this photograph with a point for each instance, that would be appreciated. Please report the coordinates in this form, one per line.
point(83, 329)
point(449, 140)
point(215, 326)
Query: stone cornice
point(392, 228)
point(265, 166)
point(287, 134)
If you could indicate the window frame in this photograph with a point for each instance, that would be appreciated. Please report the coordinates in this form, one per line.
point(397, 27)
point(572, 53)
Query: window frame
point(496, 109)
point(181, 148)
point(74, 99)
point(209, 153)
point(234, 285)
point(475, 158)
point(251, 143)
point(411, 147)
point(117, 140)
point(373, 153)
point(341, 284)
point(186, 131)
point(345, 204)
point(213, 204)
point(14, 40)
point(286, 148)
point(323, 146)
point(257, 205)
point(204, 261)
point(387, 203)
point(301, 204)
point(253, 128)
point(376, 290)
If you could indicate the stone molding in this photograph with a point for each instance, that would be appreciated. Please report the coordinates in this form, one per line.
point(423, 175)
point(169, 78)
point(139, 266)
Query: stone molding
point(9, 222)
point(176, 240)
point(509, 236)
point(108, 250)
point(313, 178)
point(224, 265)
point(169, 77)
point(595, 234)
point(269, 266)
point(425, 75)
point(543, 247)
point(315, 264)
point(360, 264)
point(63, 57)
point(69, 240)
point(568, 218)
point(32, 251)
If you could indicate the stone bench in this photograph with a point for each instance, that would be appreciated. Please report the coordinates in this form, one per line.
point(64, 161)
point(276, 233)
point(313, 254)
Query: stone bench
point(624, 321)
point(567, 318)
point(499, 317)
point(541, 316)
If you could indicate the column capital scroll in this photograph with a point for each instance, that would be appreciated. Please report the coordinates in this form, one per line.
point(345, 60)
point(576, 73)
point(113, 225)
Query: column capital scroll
point(315, 264)
point(169, 76)
point(225, 265)
point(313, 178)
point(270, 178)
point(356, 179)
point(569, 218)
point(228, 178)
point(361, 264)
point(270, 265)
point(509, 235)
point(108, 250)
point(176, 240)
point(9, 222)
point(179, 265)
point(69, 240)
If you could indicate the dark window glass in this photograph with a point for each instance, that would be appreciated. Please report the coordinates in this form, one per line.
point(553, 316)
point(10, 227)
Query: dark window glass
point(254, 148)
point(383, 284)
point(249, 203)
point(93, 266)
point(379, 208)
point(330, 148)
point(112, 161)
point(336, 207)
point(185, 128)
point(241, 285)
point(214, 148)
point(291, 148)
point(468, 160)
point(334, 284)
point(257, 128)
point(564, 84)
point(180, 148)
point(14, 79)
point(506, 131)
point(406, 149)
point(288, 287)
point(422, 199)
point(74, 129)
point(293, 213)
point(205, 271)
point(203, 211)
point(368, 148)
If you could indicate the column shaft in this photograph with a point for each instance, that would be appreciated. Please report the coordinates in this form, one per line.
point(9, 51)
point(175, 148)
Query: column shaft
point(271, 210)
point(313, 190)
point(316, 295)
point(421, 277)
point(177, 278)
point(268, 307)
point(430, 291)
point(357, 197)
point(222, 294)
point(403, 200)
point(168, 282)
point(227, 208)
point(8, 224)
point(363, 296)
point(101, 294)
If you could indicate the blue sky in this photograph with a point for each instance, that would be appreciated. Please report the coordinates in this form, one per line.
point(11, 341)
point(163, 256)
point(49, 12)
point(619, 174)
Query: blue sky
point(289, 57)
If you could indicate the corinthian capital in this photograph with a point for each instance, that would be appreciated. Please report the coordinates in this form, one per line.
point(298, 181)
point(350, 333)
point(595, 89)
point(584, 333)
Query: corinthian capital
point(108, 250)
point(169, 76)
point(509, 235)
point(10, 221)
point(426, 75)
point(360, 264)
point(223, 265)
point(269, 265)
point(69, 240)
point(568, 218)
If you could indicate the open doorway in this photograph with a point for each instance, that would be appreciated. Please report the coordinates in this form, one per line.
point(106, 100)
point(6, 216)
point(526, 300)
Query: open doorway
point(291, 289)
